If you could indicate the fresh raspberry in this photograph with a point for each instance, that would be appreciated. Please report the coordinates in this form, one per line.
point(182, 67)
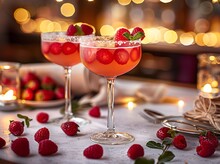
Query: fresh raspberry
point(71, 31)
point(93, 152)
point(20, 146)
point(122, 34)
point(205, 150)
point(16, 127)
point(135, 151)
point(163, 133)
point(56, 48)
point(89, 55)
point(121, 56)
point(69, 48)
point(87, 30)
point(27, 94)
point(42, 117)
point(135, 54)
point(209, 137)
point(95, 112)
point(48, 83)
point(179, 142)
point(44, 95)
point(137, 33)
point(70, 128)
point(47, 147)
point(2, 142)
point(41, 134)
point(104, 56)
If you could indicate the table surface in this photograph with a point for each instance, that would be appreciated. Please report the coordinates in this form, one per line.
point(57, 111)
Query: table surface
point(71, 148)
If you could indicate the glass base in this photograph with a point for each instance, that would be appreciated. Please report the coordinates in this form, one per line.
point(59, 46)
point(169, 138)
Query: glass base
point(112, 138)
point(78, 120)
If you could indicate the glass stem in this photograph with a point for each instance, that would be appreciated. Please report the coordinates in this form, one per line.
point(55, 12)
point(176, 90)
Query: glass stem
point(68, 106)
point(110, 98)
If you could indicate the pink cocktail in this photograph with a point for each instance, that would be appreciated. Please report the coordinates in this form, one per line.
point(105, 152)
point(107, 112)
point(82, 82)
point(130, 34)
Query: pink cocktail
point(106, 57)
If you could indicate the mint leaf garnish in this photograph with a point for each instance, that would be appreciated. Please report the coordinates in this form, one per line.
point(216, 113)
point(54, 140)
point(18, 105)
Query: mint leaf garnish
point(143, 160)
point(167, 141)
point(26, 119)
point(154, 145)
point(165, 157)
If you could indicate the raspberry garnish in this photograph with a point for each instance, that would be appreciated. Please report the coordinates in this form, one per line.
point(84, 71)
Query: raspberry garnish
point(16, 127)
point(87, 30)
point(122, 34)
point(95, 112)
point(41, 134)
point(205, 150)
point(163, 133)
point(20, 146)
point(47, 147)
point(179, 142)
point(70, 128)
point(93, 152)
point(209, 137)
point(121, 56)
point(138, 32)
point(42, 117)
point(135, 151)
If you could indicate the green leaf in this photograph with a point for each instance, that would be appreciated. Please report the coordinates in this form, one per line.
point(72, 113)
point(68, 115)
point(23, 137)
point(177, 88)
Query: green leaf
point(127, 35)
point(138, 35)
point(154, 145)
point(172, 133)
point(165, 157)
point(167, 141)
point(26, 119)
point(143, 160)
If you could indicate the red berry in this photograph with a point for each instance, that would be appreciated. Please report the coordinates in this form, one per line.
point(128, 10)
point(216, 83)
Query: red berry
point(44, 95)
point(47, 147)
point(138, 32)
point(48, 83)
point(42, 117)
point(70, 128)
point(179, 142)
point(209, 137)
point(20, 146)
point(122, 34)
point(104, 56)
point(69, 48)
point(95, 112)
point(29, 76)
point(93, 152)
point(89, 55)
point(71, 31)
point(59, 92)
point(87, 30)
point(135, 151)
point(135, 54)
point(16, 128)
point(33, 84)
point(42, 134)
point(2, 142)
point(163, 133)
point(27, 94)
point(121, 56)
point(45, 47)
point(56, 48)
point(205, 150)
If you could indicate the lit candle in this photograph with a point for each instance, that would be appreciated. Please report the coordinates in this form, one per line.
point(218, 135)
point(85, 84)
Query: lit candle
point(8, 96)
point(131, 105)
point(180, 104)
point(209, 91)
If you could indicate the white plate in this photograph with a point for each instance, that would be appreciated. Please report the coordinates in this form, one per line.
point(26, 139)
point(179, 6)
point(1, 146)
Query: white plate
point(45, 104)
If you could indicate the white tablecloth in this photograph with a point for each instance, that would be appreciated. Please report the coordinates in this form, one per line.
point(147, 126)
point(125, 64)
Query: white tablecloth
point(71, 148)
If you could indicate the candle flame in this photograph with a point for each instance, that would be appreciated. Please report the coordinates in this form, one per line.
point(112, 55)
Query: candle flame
point(207, 88)
point(131, 105)
point(9, 95)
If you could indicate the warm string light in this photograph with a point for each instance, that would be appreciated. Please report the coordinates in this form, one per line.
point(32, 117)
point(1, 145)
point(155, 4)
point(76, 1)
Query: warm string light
point(180, 105)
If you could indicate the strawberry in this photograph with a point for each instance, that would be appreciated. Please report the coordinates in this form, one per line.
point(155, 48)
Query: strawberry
point(45, 47)
point(70, 128)
point(29, 76)
point(56, 48)
point(27, 94)
point(59, 92)
point(135, 151)
point(69, 48)
point(72, 30)
point(135, 54)
point(137, 33)
point(48, 83)
point(209, 137)
point(104, 56)
point(121, 56)
point(89, 55)
point(16, 127)
point(20, 146)
point(205, 150)
point(41, 134)
point(93, 152)
point(33, 84)
point(179, 142)
point(47, 147)
point(42, 117)
point(44, 95)
point(6, 81)
point(95, 112)
point(87, 30)
point(163, 133)
point(122, 34)
point(2, 142)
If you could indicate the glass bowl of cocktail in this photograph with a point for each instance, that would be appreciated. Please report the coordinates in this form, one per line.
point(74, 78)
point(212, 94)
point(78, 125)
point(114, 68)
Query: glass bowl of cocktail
point(62, 48)
point(111, 57)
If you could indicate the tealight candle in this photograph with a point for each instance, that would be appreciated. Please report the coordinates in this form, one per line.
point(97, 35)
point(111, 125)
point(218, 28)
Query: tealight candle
point(131, 105)
point(180, 104)
point(209, 91)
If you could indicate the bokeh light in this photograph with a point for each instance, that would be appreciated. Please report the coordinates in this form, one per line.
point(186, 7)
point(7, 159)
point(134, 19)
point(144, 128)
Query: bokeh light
point(107, 30)
point(21, 15)
point(67, 9)
point(124, 2)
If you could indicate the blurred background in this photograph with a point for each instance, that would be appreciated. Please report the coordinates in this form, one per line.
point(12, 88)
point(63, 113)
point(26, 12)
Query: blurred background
point(176, 30)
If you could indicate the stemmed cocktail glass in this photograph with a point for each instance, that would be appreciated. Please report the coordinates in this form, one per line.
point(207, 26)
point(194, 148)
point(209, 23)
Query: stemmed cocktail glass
point(63, 50)
point(108, 58)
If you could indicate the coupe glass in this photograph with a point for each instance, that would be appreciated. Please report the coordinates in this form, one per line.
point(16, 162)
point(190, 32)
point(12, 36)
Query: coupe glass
point(108, 58)
point(63, 50)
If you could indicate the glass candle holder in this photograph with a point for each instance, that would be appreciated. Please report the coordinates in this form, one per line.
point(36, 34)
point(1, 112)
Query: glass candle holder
point(9, 85)
point(208, 77)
